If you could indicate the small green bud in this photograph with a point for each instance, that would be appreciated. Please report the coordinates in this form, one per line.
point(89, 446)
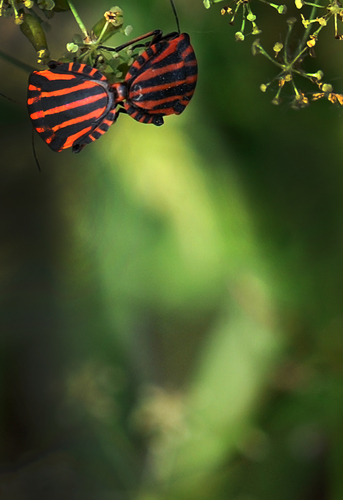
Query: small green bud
point(300, 101)
point(18, 19)
point(276, 101)
point(111, 22)
point(282, 9)
point(239, 36)
point(128, 30)
point(46, 4)
point(255, 48)
point(322, 21)
point(72, 47)
point(327, 88)
point(43, 56)
point(278, 47)
point(115, 16)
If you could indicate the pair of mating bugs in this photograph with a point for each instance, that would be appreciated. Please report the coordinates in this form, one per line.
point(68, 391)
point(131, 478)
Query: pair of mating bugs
point(73, 104)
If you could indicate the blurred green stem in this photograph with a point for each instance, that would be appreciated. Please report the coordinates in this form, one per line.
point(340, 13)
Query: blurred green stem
point(304, 39)
point(78, 19)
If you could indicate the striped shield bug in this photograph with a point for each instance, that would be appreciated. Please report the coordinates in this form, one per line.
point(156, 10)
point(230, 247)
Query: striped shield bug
point(162, 79)
point(73, 104)
point(70, 105)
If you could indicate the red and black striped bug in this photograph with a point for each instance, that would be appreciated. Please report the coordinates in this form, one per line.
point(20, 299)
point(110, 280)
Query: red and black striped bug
point(70, 105)
point(73, 104)
point(161, 81)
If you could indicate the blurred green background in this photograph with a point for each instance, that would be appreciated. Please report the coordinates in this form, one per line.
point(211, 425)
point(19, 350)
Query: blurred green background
point(172, 297)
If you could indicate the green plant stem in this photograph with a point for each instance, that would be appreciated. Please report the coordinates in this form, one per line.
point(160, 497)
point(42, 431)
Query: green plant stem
point(314, 5)
point(103, 31)
point(261, 49)
point(243, 19)
point(288, 34)
point(303, 50)
point(296, 91)
point(234, 14)
point(304, 39)
point(78, 19)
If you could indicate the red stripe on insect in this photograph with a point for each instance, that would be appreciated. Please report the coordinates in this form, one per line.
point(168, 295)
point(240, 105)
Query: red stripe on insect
point(187, 51)
point(37, 115)
point(72, 138)
point(95, 114)
point(67, 107)
point(34, 88)
point(166, 69)
point(33, 100)
point(83, 86)
point(49, 75)
point(159, 57)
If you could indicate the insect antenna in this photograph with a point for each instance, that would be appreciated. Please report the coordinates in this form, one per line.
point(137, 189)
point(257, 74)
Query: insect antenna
point(8, 98)
point(34, 149)
point(176, 16)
